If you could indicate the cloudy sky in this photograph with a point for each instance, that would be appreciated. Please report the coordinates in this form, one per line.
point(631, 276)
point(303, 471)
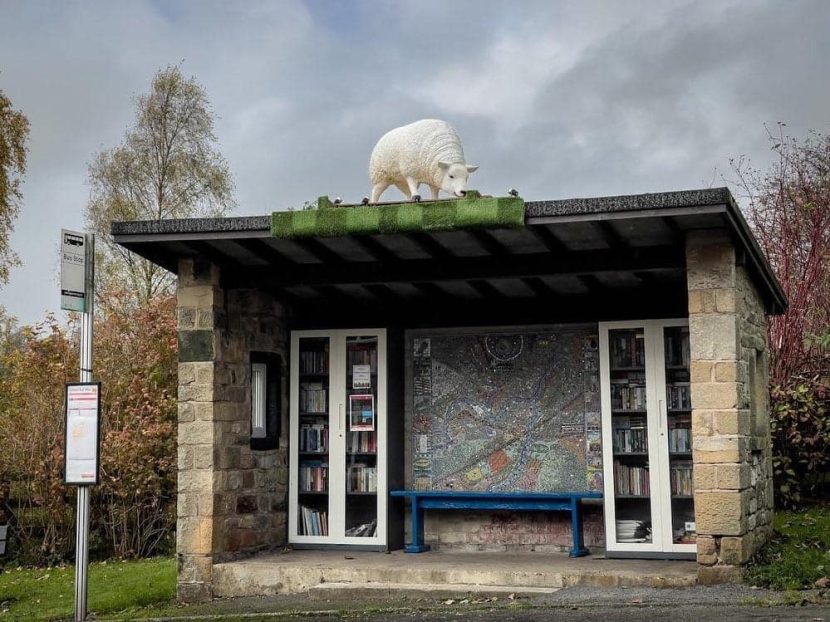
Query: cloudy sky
point(558, 99)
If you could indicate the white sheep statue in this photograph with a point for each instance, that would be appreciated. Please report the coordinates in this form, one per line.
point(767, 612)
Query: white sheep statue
point(425, 152)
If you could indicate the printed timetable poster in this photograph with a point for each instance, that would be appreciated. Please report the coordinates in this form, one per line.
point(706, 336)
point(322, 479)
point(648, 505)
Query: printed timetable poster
point(83, 414)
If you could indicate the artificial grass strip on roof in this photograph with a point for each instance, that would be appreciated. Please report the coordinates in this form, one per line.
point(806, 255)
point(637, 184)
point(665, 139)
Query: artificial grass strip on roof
point(471, 212)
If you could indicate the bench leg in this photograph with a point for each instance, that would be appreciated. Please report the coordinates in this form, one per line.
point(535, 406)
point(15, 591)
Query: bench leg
point(417, 545)
point(578, 549)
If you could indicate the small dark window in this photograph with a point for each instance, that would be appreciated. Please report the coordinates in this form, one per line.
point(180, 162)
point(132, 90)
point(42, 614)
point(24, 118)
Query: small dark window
point(266, 399)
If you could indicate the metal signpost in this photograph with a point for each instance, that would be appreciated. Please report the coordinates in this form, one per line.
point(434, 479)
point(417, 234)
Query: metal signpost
point(83, 399)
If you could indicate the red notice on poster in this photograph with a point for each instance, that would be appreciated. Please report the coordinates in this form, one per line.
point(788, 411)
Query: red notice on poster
point(83, 426)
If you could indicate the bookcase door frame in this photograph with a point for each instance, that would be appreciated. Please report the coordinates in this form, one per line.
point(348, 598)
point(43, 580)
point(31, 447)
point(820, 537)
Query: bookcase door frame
point(658, 338)
point(337, 434)
point(658, 451)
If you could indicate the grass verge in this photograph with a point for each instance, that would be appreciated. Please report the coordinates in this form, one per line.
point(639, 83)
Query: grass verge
point(115, 587)
point(798, 554)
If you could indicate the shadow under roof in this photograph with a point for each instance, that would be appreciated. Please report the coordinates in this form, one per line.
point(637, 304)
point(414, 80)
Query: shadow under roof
point(590, 250)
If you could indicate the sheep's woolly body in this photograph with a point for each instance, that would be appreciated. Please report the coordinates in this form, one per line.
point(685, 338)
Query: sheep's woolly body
point(415, 150)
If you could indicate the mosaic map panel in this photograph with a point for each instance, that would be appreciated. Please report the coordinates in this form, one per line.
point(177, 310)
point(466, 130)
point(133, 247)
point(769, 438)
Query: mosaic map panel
point(506, 411)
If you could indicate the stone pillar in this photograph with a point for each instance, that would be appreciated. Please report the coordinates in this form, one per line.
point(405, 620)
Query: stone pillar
point(200, 300)
point(231, 498)
point(730, 425)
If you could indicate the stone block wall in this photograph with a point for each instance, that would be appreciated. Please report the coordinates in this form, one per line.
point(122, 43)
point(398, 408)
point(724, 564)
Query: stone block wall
point(730, 422)
point(509, 531)
point(232, 500)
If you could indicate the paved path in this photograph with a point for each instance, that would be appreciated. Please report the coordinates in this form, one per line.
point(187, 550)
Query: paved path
point(734, 603)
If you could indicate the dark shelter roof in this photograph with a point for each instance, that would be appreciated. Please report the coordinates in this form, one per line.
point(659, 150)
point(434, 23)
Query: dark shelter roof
point(589, 259)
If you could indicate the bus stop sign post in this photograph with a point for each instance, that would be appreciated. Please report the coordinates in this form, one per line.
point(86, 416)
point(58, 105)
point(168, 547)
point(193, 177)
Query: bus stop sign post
point(83, 399)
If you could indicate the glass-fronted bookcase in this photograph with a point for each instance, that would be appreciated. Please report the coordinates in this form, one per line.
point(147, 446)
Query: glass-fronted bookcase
point(337, 477)
point(647, 440)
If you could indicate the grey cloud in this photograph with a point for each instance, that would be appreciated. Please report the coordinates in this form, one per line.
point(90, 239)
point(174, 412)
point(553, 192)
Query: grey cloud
point(555, 98)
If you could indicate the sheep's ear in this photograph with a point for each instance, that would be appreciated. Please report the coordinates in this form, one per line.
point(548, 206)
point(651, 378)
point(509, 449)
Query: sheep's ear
point(444, 165)
point(471, 168)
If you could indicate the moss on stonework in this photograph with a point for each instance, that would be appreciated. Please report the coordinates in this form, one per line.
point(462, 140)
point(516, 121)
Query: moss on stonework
point(195, 346)
point(470, 212)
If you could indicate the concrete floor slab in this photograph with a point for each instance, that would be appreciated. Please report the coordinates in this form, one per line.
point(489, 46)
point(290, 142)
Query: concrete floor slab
point(299, 571)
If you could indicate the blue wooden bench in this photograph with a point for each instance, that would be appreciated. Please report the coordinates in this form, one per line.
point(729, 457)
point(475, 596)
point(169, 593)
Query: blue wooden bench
point(421, 500)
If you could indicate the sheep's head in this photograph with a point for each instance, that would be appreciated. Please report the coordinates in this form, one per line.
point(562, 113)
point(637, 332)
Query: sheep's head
point(455, 177)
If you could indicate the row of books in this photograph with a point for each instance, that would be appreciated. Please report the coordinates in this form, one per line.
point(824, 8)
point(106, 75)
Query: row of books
point(677, 348)
point(682, 481)
point(630, 434)
point(627, 349)
point(313, 522)
point(627, 396)
point(314, 437)
point(362, 478)
point(313, 397)
point(366, 355)
point(314, 362)
point(313, 476)
point(680, 434)
point(679, 395)
point(363, 442)
point(631, 480)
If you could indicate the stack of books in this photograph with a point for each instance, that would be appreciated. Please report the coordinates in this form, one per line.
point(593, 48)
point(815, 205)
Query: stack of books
point(633, 531)
point(365, 530)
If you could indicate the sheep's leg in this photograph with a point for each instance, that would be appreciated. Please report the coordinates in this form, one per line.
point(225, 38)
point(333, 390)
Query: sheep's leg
point(413, 189)
point(435, 190)
point(404, 190)
point(377, 190)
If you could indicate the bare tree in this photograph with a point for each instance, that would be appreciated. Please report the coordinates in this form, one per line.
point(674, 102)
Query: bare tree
point(168, 166)
point(789, 211)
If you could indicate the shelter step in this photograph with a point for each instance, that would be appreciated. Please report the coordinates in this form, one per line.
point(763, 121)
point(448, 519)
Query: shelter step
point(427, 590)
